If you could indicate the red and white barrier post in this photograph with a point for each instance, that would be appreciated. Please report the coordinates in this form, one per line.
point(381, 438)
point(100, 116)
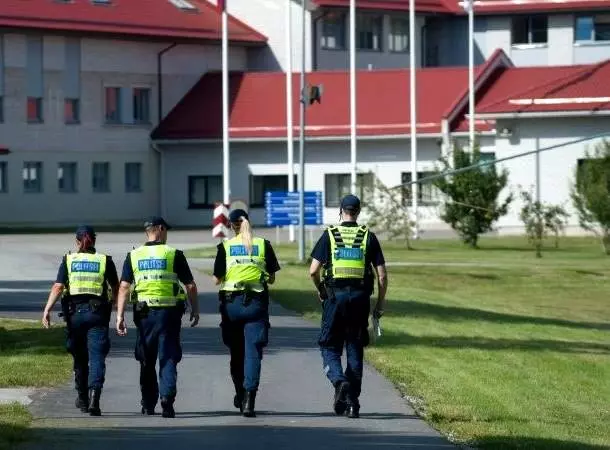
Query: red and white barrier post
point(220, 223)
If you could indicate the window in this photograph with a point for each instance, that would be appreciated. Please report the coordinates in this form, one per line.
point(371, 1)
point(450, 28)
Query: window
point(427, 193)
point(369, 31)
point(399, 34)
point(133, 177)
point(337, 186)
point(100, 178)
point(32, 177)
point(71, 110)
point(529, 30)
point(261, 184)
point(66, 177)
point(3, 177)
point(333, 31)
point(592, 28)
point(113, 105)
point(485, 157)
point(204, 191)
point(141, 105)
point(34, 110)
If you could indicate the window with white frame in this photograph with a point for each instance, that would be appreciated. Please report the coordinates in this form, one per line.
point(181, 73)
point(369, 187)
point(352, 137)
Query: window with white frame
point(427, 193)
point(399, 34)
point(591, 28)
point(112, 104)
point(141, 105)
point(204, 191)
point(369, 29)
point(32, 177)
point(133, 177)
point(3, 177)
point(529, 30)
point(100, 177)
point(338, 185)
point(332, 36)
point(66, 177)
point(261, 184)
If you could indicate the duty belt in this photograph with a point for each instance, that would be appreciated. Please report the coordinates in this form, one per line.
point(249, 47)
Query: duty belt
point(159, 301)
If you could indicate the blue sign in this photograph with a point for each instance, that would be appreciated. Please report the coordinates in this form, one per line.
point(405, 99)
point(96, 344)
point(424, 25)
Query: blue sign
point(282, 208)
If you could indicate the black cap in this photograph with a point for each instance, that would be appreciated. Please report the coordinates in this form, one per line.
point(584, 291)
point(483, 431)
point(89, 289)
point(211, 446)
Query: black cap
point(84, 230)
point(235, 215)
point(155, 221)
point(350, 202)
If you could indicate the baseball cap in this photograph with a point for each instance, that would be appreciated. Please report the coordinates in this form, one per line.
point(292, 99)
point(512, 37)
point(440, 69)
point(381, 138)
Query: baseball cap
point(350, 202)
point(236, 214)
point(84, 230)
point(154, 221)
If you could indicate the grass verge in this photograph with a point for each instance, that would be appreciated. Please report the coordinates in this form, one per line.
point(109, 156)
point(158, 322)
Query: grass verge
point(29, 357)
point(513, 353)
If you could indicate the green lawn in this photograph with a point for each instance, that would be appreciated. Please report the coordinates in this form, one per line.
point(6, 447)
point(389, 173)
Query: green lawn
point(29, 357)
point(513, 353)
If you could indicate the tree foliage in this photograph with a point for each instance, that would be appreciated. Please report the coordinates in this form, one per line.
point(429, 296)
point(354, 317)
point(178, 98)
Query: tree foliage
point(386, 213)
point(472, 205)
point(540, 219)
point(590, 192)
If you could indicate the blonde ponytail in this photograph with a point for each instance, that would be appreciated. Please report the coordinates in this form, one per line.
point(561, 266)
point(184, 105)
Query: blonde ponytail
point(246, 234)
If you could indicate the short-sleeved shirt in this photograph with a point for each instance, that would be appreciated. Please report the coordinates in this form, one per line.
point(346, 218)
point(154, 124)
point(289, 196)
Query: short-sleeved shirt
point(181, 267)
point(110, 278)
point(374, 255)
point(220, 263)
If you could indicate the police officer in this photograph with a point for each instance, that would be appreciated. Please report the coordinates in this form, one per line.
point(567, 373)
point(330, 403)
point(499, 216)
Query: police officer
point(349, 254)
point(244, 267)
point(156, 270)
point(89, 282)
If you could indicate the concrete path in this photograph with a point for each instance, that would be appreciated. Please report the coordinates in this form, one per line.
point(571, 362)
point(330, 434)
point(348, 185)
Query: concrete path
point(294, 403)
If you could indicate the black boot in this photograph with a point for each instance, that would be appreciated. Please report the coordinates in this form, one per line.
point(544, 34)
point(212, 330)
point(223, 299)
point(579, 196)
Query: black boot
point(94, 402)
point(341, 394)
point(248, 404)
point(147, 409)
point(353, 411)
point(168, 407)
point(238, 400)
point(82, 401)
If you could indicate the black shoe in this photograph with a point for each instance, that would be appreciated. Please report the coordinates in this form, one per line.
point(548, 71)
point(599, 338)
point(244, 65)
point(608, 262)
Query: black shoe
point(248, 404)
point(353, 411)
point(82, 402)
point(168, 407)
point(341, 392)
point(94, 402)
point(238, 399)
point(147, 410)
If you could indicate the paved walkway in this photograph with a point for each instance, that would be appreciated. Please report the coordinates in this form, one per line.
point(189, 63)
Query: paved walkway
point(294, 403)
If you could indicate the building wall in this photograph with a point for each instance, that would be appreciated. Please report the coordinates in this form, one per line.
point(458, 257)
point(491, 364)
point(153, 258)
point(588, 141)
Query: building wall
point(556, 166)
point(103, 63)
point(387, 158)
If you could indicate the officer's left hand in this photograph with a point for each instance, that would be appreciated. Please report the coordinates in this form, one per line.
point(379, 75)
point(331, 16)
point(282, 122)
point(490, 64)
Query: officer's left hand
point(194, 319)
point(46, 319)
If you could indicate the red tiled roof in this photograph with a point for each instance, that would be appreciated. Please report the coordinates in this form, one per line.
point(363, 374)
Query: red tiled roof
point(145, 18)
point(258, 104)
point(548, 90)
point(481, 6)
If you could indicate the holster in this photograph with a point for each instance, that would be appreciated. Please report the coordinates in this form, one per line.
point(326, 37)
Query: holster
point(140, 311)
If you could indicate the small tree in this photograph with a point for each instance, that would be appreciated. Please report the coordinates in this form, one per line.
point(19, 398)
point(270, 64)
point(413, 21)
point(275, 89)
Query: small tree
point(471, 206)
point(590, 192)
point(386, 212)
point(540, 219)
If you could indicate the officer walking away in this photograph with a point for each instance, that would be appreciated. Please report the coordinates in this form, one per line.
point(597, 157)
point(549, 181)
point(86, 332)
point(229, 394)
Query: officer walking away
point(349, 254)
point(156, 270)
point(244, 267)
point(89, 283)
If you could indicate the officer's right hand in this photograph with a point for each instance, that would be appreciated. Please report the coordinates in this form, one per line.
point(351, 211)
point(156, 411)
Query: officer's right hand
point(194, 319)
point(46, 319)
point(121, 329)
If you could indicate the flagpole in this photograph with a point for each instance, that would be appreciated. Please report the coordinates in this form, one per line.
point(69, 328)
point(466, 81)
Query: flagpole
point(470, 6)
point(352, 90)
point(413, 101)
point(302, 144)
point(225, 106)
point(289, 105)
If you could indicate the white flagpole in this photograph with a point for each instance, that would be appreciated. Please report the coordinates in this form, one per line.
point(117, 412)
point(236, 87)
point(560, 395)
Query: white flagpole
point(225, 106)
point(289, 105)
point(352, 90)
point(413, 101)
point(470, 6)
